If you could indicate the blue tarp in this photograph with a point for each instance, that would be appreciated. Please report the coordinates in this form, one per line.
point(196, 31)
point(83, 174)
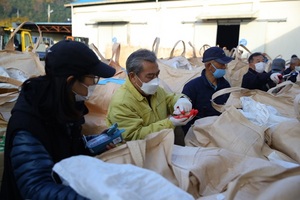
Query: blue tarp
point(112, 80)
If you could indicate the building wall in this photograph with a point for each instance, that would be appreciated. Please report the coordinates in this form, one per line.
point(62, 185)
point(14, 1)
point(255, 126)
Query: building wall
point(275, 30)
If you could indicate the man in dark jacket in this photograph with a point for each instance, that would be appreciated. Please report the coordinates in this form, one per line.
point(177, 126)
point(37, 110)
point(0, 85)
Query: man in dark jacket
point(45, 126)
point(293, 70)
point(256, 77)
point(201, 89)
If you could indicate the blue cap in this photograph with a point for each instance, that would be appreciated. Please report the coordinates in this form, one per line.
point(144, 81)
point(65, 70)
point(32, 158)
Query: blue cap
point(217, 54)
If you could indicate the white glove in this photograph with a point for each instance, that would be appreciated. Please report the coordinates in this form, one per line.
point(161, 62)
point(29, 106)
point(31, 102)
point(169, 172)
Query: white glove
point(274, 77)
point(182, 105)
point(180, 121)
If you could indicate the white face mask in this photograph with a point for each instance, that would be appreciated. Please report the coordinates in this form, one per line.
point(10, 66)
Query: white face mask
point(90, 89)
point(260, 67)
point(297, 68)
point(150, 87)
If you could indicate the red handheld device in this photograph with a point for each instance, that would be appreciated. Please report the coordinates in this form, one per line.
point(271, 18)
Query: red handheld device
point(193, 112)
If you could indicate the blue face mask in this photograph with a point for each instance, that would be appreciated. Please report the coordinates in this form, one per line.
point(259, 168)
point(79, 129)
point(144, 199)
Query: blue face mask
point(219, 73)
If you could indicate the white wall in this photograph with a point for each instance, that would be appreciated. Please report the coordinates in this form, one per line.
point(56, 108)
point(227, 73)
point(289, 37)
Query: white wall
point(275, 30)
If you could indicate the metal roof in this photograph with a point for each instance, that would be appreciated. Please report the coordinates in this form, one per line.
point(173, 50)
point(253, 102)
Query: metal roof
point(51, 27)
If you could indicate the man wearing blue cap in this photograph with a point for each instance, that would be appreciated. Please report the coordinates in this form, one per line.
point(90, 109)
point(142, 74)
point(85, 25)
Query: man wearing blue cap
point(201, 89)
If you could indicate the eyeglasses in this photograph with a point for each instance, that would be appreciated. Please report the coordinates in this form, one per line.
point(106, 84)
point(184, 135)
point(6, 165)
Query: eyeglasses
point(95, 79)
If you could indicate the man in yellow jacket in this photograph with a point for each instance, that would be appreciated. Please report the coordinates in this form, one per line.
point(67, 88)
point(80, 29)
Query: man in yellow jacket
point(140, 106)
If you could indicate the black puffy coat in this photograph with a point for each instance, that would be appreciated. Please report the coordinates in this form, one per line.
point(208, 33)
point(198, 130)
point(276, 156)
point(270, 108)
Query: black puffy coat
point(34, 143)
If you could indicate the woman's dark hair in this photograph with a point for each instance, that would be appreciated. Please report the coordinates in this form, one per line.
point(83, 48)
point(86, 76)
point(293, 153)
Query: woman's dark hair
point(53, 98)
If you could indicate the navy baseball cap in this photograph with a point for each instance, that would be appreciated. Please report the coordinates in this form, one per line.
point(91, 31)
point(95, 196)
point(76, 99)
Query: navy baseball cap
point(67, 58)
point(217, 54)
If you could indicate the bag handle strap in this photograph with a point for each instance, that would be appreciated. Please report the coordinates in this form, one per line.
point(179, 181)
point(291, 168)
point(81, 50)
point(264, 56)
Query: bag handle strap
point(155, 45)
point(10, 43)
point(236, 51)
point(240, 90)
point(116, 49)
point(7, 97)
point(183, 52)
point(115, 53)
point(194, 50)
point(221, 108)
point(286, 86)
point(93, 47)
point(203, 48)
point(244, 47)
point(12, 81)
point(232, 52)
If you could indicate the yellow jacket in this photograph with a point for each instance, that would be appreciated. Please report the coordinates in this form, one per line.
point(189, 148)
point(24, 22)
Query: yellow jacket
point(133, 112)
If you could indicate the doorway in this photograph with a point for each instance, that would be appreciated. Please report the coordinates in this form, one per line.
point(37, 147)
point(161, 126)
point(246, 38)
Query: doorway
point(228, 36)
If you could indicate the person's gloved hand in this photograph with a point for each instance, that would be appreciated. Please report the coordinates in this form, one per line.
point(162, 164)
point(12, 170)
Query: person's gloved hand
point(182, 105)
point(275, 77)
point(180, 121)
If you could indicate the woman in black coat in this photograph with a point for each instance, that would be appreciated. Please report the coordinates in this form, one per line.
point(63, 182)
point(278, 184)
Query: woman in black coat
point(45, 126)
